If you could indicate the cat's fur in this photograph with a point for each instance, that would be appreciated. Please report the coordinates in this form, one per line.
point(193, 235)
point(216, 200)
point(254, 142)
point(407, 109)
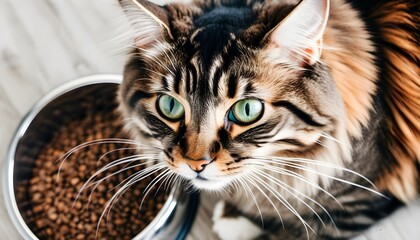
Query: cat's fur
point(338, 145)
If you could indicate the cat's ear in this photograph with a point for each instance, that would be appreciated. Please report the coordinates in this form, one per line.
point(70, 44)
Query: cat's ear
point(298, 37)
point(150, 21)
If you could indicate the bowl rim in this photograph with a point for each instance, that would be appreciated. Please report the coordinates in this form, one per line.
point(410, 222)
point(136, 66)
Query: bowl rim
point(9, 161)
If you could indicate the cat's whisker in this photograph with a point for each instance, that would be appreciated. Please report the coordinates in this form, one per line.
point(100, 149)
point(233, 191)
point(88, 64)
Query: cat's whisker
point(104, 141)
point(64, 157)
point(173, 180)
point(251, 179)
point(165, 182)
point(307, 169)
point(171, 183)
point(285, 203)
point(293, 174)
point(88, 183)
point(155, 180)
point(115, 150)
point(226, 191)
point(146, 170)
point(237, 188)
point(280, 184)
point(286, 186)
point(139, 177)
point(222, 192)
point(153, 183)
point(126, 187)
point(248, 190)
point(315, 162)
point(122, 161)
point(98, 182)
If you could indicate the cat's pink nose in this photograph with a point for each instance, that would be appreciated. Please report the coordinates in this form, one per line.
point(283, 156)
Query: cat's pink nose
point(197, 165)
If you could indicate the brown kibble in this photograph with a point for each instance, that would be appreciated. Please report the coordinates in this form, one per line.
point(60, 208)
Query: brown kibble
point(49, 231)
point(61, 206)
point(64, 229)
point(102, 201)
point(93, 218)
point(52, 215)
point(78, 205)
point(37, 196)
point(82, 168)
point(38, 208)
point(34, 180)
point(58, 210)
point(80, 226)
point(69, 195)
point(41, 223)
point(101, 188)
point(80, 236)
point(119, 221)
point(74, 181)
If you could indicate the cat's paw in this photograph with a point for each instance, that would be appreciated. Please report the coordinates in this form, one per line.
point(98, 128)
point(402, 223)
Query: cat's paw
point(230, 225)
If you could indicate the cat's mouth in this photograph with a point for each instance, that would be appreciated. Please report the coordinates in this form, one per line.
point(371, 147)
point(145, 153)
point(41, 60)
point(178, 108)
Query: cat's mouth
point(209, 181)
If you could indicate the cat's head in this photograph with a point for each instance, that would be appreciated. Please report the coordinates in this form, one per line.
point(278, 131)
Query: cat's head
point(228, 89)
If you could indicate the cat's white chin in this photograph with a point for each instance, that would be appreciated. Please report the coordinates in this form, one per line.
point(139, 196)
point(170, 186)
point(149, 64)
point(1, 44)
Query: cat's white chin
point(212, 185)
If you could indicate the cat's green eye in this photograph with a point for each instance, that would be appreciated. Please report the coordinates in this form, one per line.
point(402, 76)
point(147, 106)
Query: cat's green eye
point(170, 108)
point(245, 112)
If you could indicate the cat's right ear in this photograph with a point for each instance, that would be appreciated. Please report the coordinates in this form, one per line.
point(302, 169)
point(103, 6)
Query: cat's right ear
point(298, 37)
point(149, 21)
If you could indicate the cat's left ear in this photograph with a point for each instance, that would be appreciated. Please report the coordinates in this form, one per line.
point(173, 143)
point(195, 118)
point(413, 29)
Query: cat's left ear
point(298, 37)
point(150, 21)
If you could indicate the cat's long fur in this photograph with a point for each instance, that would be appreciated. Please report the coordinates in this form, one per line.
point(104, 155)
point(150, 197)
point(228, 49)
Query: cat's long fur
point(355, 109)
point(398, 27)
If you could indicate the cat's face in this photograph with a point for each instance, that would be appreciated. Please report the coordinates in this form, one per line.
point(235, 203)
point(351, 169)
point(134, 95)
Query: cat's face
point(221, 105)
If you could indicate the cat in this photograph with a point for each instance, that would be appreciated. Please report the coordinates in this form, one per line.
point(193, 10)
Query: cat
point(303, 115)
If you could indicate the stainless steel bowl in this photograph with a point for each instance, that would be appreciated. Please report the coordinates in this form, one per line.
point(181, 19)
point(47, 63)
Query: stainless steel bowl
point(174, 219)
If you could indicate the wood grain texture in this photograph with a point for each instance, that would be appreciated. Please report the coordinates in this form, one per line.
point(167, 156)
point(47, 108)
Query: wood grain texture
point(44, 43)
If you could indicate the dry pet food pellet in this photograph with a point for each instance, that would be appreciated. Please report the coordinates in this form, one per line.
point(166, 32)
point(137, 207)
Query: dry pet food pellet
point(55, 213)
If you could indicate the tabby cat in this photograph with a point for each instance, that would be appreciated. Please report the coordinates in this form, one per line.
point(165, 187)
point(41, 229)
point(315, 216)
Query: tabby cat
point(303, 115)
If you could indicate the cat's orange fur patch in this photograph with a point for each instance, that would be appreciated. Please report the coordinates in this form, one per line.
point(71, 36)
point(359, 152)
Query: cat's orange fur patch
point(351, 64)
point(402, 52)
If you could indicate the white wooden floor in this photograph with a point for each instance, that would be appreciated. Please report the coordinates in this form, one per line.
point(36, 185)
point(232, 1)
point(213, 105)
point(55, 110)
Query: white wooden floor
point(44, 43)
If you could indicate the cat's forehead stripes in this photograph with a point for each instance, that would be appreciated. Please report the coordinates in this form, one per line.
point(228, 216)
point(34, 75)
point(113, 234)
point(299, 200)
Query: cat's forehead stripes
point(222, 78)
point(194, 70)
point(214, 68)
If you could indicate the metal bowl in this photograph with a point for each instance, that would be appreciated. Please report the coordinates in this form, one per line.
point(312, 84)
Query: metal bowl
point(177, 214)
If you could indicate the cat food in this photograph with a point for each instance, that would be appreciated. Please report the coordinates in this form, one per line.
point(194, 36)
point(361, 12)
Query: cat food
point(57, 212)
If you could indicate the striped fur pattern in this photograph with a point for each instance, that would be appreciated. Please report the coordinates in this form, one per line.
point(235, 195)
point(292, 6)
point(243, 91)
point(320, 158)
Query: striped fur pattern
point(336, 146)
